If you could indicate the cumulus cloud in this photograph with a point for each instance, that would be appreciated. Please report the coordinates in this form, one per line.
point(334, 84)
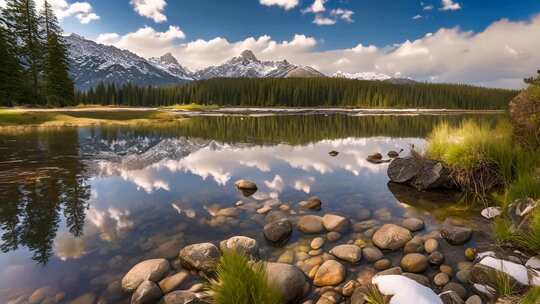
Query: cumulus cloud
point(286, 4)
point(416, 17)
point(321, 20)
point(450, 5)
point(316, 8)
point(152, 9)
point(83, 11)
point(500, 56)
point(343, 14)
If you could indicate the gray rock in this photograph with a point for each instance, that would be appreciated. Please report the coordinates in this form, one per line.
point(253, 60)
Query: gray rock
point(349, 253)
point(420, 173)
point(413, 224)
point(274, 216)
point(403, 170)
point(288, 279)
point(151, 270)
point(474, 299)
point(382, 264)
point(436, 258)
point(241, 244)
point(456, 235)
point(391, 236)
point(310, 224)
point(414, 262)
point(147, 293)
point(278, 231)
point(332, 222)
point(413, 246)
point(313, 203)
point(372, 254)
point(392, 271)
point(457, 288)
point(180, 297)
point(451, 297)
point(203, 256)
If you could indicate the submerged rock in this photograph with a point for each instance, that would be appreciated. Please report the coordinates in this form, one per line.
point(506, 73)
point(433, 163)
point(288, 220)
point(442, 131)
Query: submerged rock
point(310, 224)
point(242, 244)
point(414, 262)
point(288, 279)
point(456, 235)
point(278, 232)
point(203, 256)
point(179, 297)
point(349, 253)
point(313, 203)
point(332, 222)
point(147, 293)
point(391, 236)
point(149, 270)
point(330, 273)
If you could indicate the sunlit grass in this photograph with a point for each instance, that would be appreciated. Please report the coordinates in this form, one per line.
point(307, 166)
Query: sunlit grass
point(192, 107)
point(502, 230)
point(504, 285)
point(531, 297)
point(239, 282)
point(374, 296)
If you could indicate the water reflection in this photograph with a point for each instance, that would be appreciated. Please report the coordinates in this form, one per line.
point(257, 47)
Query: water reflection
point(88, 203)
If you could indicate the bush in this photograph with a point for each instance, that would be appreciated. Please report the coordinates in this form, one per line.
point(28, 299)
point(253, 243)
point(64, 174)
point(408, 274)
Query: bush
point(239, 282)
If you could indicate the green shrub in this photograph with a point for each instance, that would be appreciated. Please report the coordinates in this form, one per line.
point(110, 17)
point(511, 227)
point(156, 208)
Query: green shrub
point(502, 230)
point(239, 282)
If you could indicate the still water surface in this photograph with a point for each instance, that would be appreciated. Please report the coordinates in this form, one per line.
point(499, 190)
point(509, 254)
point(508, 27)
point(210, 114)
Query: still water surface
point(80, 206)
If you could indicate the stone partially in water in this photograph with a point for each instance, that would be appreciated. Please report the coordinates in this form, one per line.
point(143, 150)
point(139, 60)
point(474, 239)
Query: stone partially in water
point(391, 236)
point(329, 274)
point(310, 224)
point(456, 235)
point(151, 270)
point(245, 184)
point(491, 212)
point(403, 170)
point(413, 224)
point(431, 245)
point(313, 203)
point(180, 297)
point(147, 293)
point(278, 232)
point(317, 243)
point(457, 288)
point(383, 264)
point(332, 222)
point(372, 254)
point(241, 244)
point(288, 279)
point(441, 279)
point(203, 256)
point(349, 253)
point(436, 258)
point(414, 262)
point(173, 282)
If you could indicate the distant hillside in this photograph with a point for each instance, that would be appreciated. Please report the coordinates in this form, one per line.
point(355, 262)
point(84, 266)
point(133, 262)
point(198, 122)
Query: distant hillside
point(305, 92)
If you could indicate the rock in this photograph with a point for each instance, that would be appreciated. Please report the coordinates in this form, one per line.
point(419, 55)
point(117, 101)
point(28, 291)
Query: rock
point(360, 243)
point(451, 297)
point(40, 294)
point(333, 153)
point(463, 276)
point(329, 274)
point(382, 264)
point(414, 262)
point(229, 212)
point(173, 282)
point(420, 173)
point(364, 225)
point(456, 235)
point(334, 222)
point(286, 257)
point(244, 184)
point(413, 246)
point(87, 298)
point(147, 293)
point(288, 279)
point(441, 279)
point(310, 224)
point(264, 210)
point(436, 258)
point(431, 245)
point(413, 224)
point(317, 243)
point(393, 154)
point(446, 269)
point(179, 297)
point(405, 290)
point(474, 299)
point(391, 236)
point(470, 254)
point(372, 254)
point(491, 212)
point(349, 288)
point(375, 158)
point(149, 270)
point(403, 170)
point(203, 256)
point(419, 278)
point(358, 296)
point(275, 216)
point(349, 253)
point(457, 288)
point(333, 236)
point(392, 271)
point(241, 244)
point(313, 203)
point(278, 231)
point(365, 275)
point(329, 297)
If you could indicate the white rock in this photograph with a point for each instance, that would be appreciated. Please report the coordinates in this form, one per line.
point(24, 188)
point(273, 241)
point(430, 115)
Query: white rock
point(405, 291)
point(516, 271)
point(534, 262)
point(491, 212)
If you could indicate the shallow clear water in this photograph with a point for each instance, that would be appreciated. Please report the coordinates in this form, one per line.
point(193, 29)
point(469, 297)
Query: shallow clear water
point(80, 206)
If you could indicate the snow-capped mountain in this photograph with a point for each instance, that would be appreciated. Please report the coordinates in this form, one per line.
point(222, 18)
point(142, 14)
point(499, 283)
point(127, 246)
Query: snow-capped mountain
point(92, 63)
point(249, 66)
point(362, 75)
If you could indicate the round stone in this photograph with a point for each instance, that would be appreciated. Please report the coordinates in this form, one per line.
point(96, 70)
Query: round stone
point(333, 236)
point(349, 253)
point(288, 279)
point(317, 243)
point(149, 270)
point(431, 245)
point(244, 184)
point(391, 236)
point(330, 273)
point(457, 288)
point(334, 222)
point(313, 203)
point(475, 299)
point(413, 224)
point(414, 262)
point(382, 264)
point(456, 235)
point(372, 254)
point(470, 254)
point(310, 224)
point(441, 279)
point(446, 269)
point(436, 258)
point(278, 231)
point(413, 247)
point(241, 244)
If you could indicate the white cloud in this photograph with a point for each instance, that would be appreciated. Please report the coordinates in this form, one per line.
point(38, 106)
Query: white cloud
point(428, 7)
point(152, 9)
point(450, 5)
point(108, 38)
point(83, 11)
point(344, 14)
point(417, 17)
point(321, 20)
point(145, 41)
point(286, 4)
point(317, 7)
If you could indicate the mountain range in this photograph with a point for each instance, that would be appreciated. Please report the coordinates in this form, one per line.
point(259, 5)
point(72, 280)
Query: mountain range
point(92, 63)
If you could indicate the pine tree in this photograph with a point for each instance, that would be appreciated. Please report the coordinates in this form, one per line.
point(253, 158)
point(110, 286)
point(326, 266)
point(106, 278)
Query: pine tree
point(10, 72)
point(59, 90)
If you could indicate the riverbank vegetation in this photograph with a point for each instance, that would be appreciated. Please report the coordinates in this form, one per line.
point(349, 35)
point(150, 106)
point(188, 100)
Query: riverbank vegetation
point(312, 92)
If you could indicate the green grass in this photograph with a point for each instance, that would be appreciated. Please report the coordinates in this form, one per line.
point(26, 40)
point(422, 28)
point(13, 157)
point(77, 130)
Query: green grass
point(530, 238)
point(238, 282)
point(502, 230)
point(374, 296)
point(504, 285)
point(192, 107)
point(532, 296)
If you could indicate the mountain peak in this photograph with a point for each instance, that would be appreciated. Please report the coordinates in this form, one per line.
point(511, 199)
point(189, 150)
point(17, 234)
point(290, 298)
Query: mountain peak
point(248, 55)
point(169, 58)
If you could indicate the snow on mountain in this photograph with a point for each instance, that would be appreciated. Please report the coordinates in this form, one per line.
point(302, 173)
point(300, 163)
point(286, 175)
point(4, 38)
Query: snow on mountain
point(92, 63)
point(249, 66)
point(362, 75)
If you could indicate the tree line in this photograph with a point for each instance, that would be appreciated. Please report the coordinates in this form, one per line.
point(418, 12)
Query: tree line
point(34, 67)
point(301, 92)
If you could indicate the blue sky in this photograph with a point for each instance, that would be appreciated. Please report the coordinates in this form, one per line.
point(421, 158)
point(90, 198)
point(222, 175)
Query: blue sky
point(483, 42)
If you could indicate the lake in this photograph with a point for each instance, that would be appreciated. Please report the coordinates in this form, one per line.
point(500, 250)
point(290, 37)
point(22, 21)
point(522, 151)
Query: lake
point(80, 206)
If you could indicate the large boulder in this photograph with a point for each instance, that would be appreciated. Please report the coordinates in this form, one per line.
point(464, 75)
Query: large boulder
point(203, 256)
point(149, 270)
point(147, 293)
point(278, 232)
point(391, 236)
point(422, 174)
point(349, 253)
point(288, 279)
point(330, 273)
point(310, 224)
point(403, 170)
point(241, 244)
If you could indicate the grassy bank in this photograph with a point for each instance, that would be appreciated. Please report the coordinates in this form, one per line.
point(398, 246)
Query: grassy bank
point(191, 107)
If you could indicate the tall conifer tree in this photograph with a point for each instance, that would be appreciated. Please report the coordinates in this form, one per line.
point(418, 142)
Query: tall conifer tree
point(11, 88)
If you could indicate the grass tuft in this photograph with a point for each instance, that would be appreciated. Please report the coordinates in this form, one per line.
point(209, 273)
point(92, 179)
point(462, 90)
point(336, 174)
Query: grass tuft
point(239, 282)
point(192, 107)
point(531, 297)
point(504, 285)
point(374, 296)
